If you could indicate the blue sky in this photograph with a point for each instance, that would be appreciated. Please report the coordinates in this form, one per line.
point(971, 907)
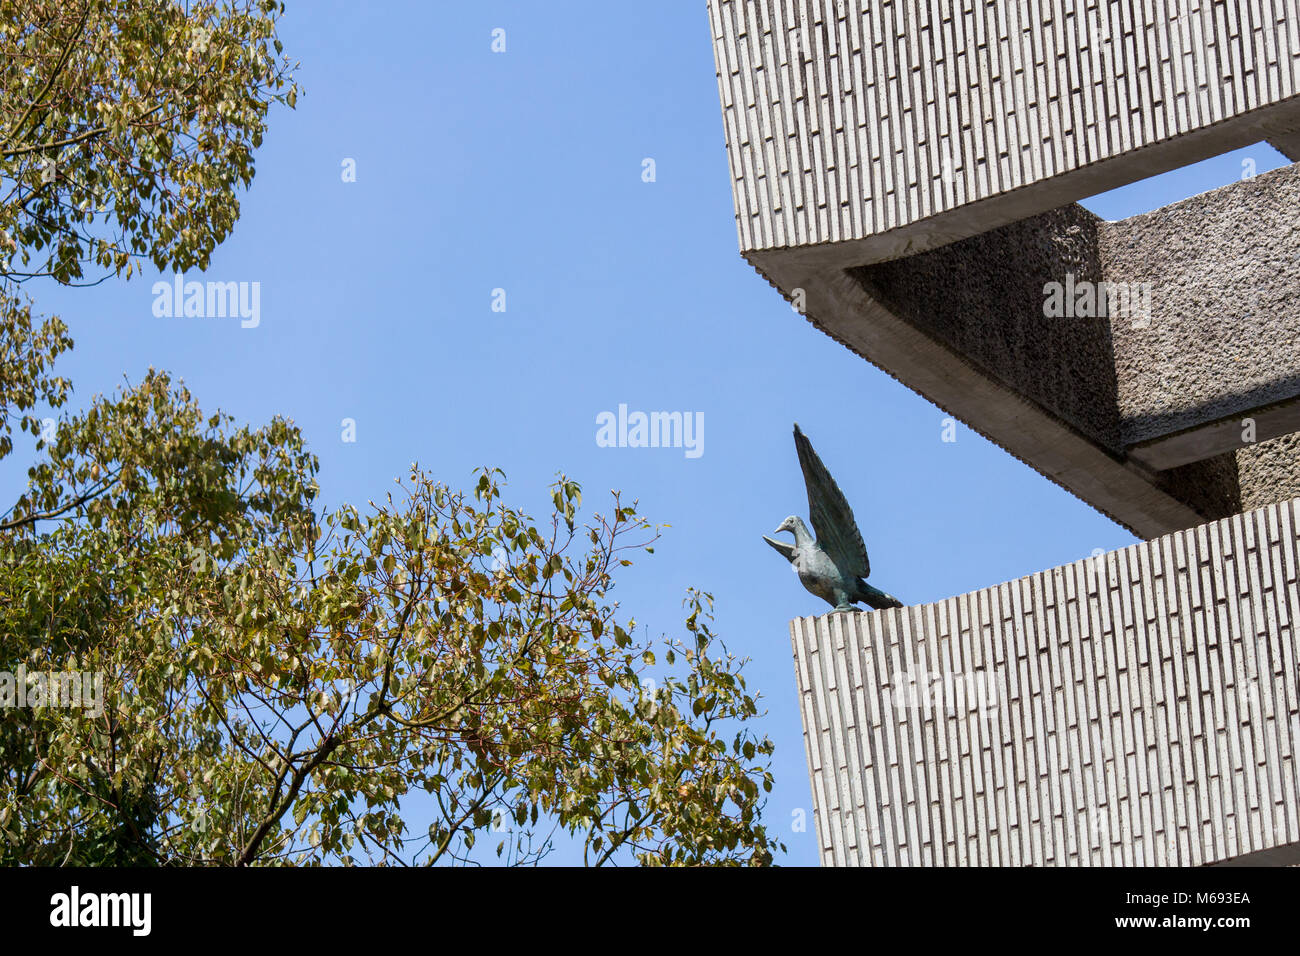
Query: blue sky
point(522, 171)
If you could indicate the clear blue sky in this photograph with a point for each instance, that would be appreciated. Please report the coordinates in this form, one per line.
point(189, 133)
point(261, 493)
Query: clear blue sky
point(522, 171)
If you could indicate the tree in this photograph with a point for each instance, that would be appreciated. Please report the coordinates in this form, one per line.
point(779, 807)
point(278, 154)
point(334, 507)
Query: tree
point(128, 128)
point(279, 680)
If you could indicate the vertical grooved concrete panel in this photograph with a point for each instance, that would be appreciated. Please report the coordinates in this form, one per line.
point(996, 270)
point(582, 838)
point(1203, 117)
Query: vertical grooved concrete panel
point(1137, 709)
point(847, 119)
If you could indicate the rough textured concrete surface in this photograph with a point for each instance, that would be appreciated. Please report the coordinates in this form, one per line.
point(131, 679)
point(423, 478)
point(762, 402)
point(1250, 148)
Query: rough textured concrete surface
point(983, 298)
point(1224, 335)
point(1268, 471)
point(1140, 708)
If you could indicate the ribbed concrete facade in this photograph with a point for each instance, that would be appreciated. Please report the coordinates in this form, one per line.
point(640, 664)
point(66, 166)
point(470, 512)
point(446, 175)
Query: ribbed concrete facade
point(846, 119)
point(1138, 708)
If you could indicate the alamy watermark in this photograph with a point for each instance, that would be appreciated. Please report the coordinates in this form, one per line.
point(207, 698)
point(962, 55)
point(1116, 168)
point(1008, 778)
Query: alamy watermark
point(1098, 300)
point(948, 692)
point(77, 908)
point(208, 300)
point(651, 430)
point(70, 689)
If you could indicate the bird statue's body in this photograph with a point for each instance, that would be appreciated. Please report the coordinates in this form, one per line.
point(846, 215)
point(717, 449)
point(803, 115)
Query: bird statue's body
point(833, 565)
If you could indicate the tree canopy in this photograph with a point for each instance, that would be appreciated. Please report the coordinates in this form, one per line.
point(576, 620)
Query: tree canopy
point(280, 679)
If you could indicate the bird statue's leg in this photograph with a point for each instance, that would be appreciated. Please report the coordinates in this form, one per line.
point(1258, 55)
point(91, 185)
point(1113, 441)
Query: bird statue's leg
point(842, 602)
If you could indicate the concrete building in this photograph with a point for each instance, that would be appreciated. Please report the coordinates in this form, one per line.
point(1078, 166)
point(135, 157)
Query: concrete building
point(906, 174)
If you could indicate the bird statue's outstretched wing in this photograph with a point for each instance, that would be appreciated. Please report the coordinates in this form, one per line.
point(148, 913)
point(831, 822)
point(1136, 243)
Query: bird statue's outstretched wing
point(832, 518)
point(786, 549)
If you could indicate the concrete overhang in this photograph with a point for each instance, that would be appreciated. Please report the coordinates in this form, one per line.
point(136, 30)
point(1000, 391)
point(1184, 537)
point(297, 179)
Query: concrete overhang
point(907, 181)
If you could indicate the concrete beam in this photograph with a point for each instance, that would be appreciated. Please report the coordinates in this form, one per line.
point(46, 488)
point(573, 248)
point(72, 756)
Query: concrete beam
point(839, 306)
point(1217, 437)
point(1288, 146)
point(1284, 136)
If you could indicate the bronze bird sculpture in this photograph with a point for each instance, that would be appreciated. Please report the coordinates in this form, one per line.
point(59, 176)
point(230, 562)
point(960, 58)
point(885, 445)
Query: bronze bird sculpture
point(833, 566)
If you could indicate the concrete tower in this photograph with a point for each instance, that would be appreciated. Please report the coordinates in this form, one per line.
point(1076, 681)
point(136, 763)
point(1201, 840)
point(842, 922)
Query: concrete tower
point(906, 174)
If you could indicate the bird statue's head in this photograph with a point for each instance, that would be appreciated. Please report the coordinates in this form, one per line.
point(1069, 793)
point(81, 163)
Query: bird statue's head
point(794, 524)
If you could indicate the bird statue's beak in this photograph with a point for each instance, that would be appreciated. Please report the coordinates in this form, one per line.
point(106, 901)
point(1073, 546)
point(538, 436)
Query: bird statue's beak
point(779, 530)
